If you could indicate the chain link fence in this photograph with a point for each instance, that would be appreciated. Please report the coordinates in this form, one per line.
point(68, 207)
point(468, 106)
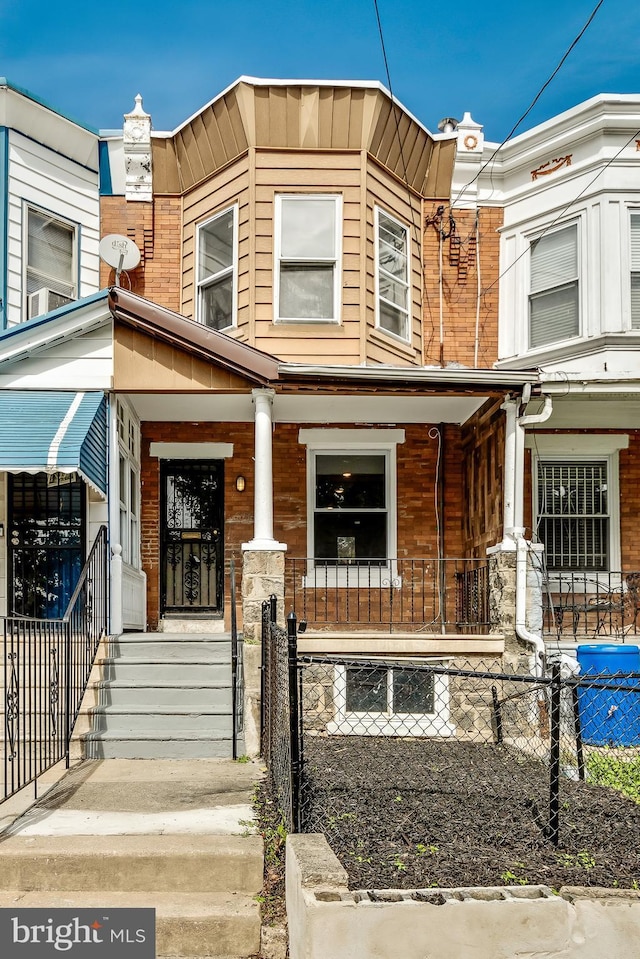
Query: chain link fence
point(449, 772)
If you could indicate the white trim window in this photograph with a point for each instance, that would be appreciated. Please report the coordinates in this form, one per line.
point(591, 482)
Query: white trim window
point(217, 259)
point(400, 699)
point(50, 262)
point(392, 275)
point(554, 288)
point(308, 231)
point(635, 269)
point(351, 506)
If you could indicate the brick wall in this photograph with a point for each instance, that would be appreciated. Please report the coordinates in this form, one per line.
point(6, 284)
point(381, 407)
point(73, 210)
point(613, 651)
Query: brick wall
point(460, 285)
point(156, 228)
point(417, 460)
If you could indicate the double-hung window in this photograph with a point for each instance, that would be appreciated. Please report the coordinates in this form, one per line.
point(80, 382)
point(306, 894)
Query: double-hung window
point(307, 267)
point(635, 271)
point(573, 513)
point(129, 485)
point(554, 292)
point(217, 242)
point(392, 275)
point(51, 260)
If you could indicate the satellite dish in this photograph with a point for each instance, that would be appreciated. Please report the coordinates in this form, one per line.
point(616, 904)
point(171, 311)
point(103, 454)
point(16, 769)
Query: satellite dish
point(120, 252)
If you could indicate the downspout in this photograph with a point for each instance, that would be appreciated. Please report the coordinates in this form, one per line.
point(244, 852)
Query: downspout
point(517, 532)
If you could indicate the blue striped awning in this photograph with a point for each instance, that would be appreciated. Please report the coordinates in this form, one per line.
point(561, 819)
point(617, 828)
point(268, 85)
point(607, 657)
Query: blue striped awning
point(54, 432)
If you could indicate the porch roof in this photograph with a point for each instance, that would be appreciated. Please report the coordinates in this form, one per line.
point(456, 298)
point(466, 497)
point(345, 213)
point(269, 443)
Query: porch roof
point(54, 432)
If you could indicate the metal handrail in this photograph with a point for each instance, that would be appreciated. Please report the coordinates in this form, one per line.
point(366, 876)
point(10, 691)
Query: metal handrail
point(47, 664)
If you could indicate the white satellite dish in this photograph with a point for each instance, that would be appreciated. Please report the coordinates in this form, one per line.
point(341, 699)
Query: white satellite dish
point(120, 252)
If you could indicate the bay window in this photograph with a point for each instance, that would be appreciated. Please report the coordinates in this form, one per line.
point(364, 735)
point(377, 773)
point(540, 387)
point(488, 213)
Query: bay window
point(392, 276)
point(217, 242)
point(307, 267)
point(554, 290)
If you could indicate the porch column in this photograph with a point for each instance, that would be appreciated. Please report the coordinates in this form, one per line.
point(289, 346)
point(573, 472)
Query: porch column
point(262, 566)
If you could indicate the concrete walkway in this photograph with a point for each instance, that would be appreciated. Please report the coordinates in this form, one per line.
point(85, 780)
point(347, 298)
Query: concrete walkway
point(174, 835)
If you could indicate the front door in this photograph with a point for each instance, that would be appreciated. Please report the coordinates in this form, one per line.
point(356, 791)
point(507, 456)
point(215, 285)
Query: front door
point(46, 542)
point(192, 536)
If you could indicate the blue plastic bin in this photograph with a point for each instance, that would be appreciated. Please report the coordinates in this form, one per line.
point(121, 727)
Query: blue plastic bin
point(608, 717)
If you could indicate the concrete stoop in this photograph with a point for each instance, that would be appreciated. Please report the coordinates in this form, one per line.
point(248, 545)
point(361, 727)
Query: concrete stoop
point(172, 836)
point(159, 696)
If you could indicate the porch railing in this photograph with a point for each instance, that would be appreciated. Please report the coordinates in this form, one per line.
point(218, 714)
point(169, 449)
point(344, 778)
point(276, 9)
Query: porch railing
point(579, 606)
point(45, 669)
point(447, 595)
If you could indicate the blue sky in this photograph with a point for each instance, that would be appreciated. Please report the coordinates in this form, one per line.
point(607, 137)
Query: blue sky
point(89, 60)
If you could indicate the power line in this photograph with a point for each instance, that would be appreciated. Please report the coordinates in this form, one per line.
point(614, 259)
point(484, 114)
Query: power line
point(533, 102)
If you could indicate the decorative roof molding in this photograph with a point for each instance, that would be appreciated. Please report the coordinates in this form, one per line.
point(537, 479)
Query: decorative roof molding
point(137, 154)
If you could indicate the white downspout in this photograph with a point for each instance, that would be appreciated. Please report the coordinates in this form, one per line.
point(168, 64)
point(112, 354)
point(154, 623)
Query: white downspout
point(517, 531)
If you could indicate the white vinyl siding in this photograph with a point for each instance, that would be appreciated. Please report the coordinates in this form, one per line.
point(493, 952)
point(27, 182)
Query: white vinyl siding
point(392, 275)
point(45, 180)
point(217, 270)
point(307, 270)
point(635, 271)
point(554, 290)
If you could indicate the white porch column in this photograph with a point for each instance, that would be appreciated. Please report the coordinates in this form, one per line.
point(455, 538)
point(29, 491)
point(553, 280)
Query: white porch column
point(263, 478)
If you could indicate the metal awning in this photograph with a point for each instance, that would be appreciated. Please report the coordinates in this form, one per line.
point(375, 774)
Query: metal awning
point(54, 432)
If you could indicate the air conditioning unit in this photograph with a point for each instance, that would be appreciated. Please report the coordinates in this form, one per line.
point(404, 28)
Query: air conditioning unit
point(45, 300)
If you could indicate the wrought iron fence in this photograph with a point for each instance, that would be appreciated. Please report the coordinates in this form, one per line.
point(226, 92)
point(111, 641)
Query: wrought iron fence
point(395, 594)
point(46, 667)
point(411, 759)
point(579, 606)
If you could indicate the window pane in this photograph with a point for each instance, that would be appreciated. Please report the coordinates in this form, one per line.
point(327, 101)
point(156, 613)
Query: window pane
point(350, 482)
point(216, 246)
point(216, 304)
point(393, 291)
point(393, 320)
point(341, 535)
point(412, 691)
point(308, 228)
point(635, 301)
point(49, 254)
point(554, 259)
point(306, 292)
point(554, 315)
point(366, 690)
point(573, 514)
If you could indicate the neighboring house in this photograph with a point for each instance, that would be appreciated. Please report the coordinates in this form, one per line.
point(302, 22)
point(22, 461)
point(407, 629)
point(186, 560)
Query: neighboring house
point(570, 308)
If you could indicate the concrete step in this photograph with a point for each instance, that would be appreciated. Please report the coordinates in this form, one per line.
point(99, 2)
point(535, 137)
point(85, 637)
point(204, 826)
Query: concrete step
point(187, 924)
point(105, 745)
point(179, 719)
point(160, 694)
point(143, 671)
point(183, 863)
point(182, 650)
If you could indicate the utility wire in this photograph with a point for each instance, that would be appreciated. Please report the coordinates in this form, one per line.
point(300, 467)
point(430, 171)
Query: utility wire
point(532, 104)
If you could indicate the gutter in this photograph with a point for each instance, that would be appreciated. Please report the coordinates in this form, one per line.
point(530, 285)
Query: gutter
point(494, 379)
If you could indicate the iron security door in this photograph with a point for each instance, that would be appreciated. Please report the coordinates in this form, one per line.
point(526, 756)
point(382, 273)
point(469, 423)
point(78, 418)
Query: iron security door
point(46, 542)
point(192, 540)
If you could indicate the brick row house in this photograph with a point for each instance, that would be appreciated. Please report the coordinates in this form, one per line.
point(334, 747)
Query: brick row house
point(340, 362)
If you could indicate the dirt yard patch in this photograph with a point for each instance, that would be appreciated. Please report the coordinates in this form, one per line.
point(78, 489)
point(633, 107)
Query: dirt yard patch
point(425, 813)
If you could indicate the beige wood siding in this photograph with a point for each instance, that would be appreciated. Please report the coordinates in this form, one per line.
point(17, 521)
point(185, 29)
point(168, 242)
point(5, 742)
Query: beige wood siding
point(393, 197)
point(229, 187)
point(142, 363)
point(301, 171)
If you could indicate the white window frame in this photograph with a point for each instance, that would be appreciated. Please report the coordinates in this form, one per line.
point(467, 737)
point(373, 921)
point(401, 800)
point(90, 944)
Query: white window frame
point(582, 449)
point(389, 723)
point(336, 260)
point(340, 442)
point(231, 271)
point(128, 430)
point(48, 279)
point(378, 212)
point(532, 239)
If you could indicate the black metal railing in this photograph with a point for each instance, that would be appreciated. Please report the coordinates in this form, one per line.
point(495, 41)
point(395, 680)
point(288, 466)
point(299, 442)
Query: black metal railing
point(407, 766)
point(46, 667)
point(448, 595)
point(585, 605)
point(237, 666)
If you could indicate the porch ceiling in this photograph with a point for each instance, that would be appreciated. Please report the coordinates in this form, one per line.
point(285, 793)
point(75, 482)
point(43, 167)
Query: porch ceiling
point(238, 408)
point(603, 411)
